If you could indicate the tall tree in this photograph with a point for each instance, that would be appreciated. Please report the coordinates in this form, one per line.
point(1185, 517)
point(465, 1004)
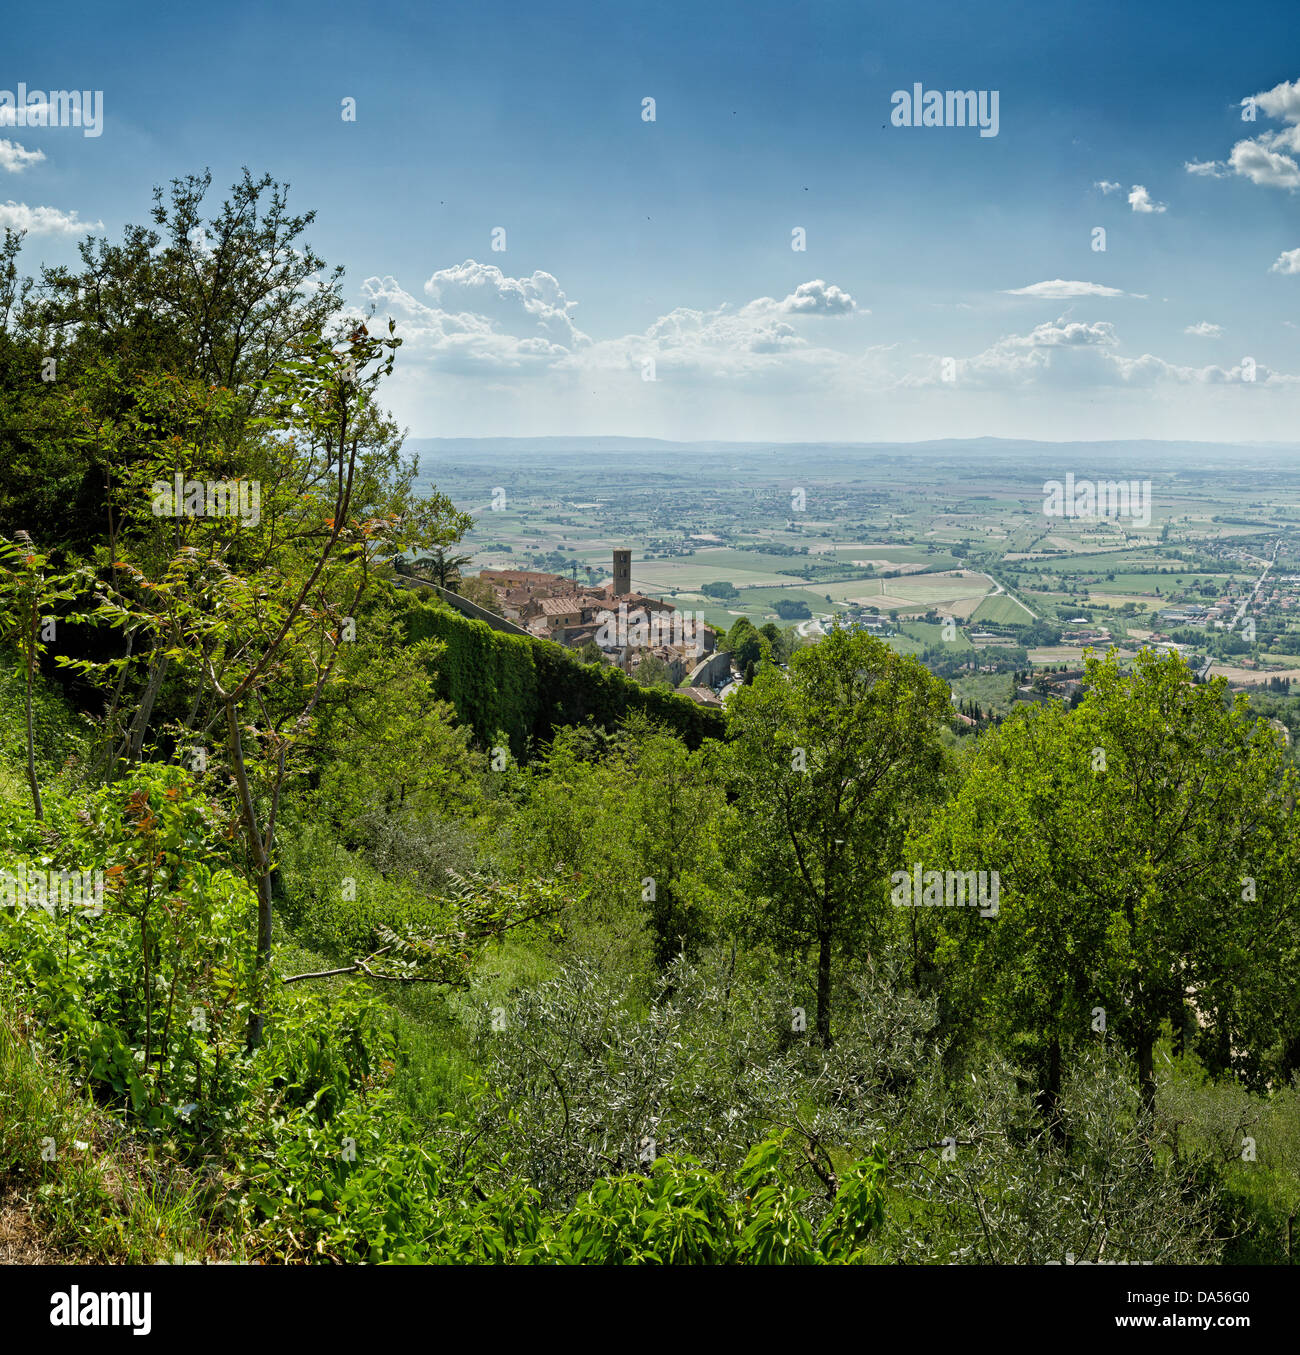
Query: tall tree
point(220, 300)
point(1147, 860)
point(826, 763)
point(29, 595)
point(258, 624)
point(746, 644)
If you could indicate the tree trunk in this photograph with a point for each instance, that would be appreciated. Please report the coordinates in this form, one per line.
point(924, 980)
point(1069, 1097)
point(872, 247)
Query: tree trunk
point(37, 806)
point(1146, 1068)
point(140, 725)
point(824, 989)
point(256, 1017)
point(1050, 1092)
point(261, 861)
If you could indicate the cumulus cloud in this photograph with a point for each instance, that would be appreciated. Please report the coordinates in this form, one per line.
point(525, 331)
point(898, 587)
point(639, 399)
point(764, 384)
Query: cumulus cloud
point(1287, 262)
point(534, 306)
point(1282, 101)
point(1204, 329)
point(1141, 201)
point(15, 158)
point(729, 340)
point(1060, 334)
point(464, 340)
point(1062, 355)
point(814, 298)
point(1254, 160)
point(479, 320)
point(504, 335)
point(1061, 290)
point(684, 332)
point(1268, 158)
point(44, 220)
point(1108, 186)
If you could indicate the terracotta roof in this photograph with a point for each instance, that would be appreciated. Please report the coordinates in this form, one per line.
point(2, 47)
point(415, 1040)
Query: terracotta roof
point(702, 696)
point(560, 606)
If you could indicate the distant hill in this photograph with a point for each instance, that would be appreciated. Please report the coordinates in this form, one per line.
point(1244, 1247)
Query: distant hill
point(1127, 456)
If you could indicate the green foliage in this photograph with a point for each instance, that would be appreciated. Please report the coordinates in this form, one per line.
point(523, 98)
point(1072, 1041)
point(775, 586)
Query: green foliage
point(638, 810)
point(746, 644)
point(1145, 847)
point(825, 765)
point(653, 672)
point(147, 986)
point(404, 1202)
point(95, 1194)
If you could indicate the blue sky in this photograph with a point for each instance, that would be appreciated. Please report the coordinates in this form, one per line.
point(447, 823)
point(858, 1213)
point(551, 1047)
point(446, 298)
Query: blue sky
point(638, 248)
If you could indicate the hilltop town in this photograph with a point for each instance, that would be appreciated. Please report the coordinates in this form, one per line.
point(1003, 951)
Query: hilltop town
point(613, 622)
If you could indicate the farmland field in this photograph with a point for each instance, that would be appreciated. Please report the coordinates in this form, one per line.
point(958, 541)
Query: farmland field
point(999, 609)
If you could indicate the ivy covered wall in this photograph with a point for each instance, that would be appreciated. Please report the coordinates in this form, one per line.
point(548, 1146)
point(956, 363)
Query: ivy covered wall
point(529, 688)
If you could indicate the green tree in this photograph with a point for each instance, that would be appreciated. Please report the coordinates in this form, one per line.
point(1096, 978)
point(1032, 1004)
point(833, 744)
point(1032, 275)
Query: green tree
point(781, 641)
point(262, 643)
point(670, 812)
point(479, 591)
point(1147, 864)
point(652, 671)
point(219, 301)
point(440, 566)
point(634, 814)
point(825, 764)
point(746, 644)
point(28, 595)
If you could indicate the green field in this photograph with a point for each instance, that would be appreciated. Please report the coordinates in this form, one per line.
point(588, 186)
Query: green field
point(928, 634)
point(999, 609)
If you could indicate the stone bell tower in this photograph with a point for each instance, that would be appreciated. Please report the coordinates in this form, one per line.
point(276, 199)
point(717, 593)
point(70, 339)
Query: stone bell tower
point(622, 573)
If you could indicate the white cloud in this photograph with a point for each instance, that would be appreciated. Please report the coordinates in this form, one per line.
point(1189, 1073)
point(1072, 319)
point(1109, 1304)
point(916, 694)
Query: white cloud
point(1061, 290)
point(1060, 334)
point(1266, 159)
point(1205, 329)
point(814, 298)
point(464, 340)
point(1018, 359)
point(494, 352)
point(44, 220)
point(1141, 201)
point(1108, 186)
point(1079, 357)
point(535, 305)
point(1282, 101)
point(1287, 262)
point(1254, 160)
point(482, 321)
point(16, 158)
